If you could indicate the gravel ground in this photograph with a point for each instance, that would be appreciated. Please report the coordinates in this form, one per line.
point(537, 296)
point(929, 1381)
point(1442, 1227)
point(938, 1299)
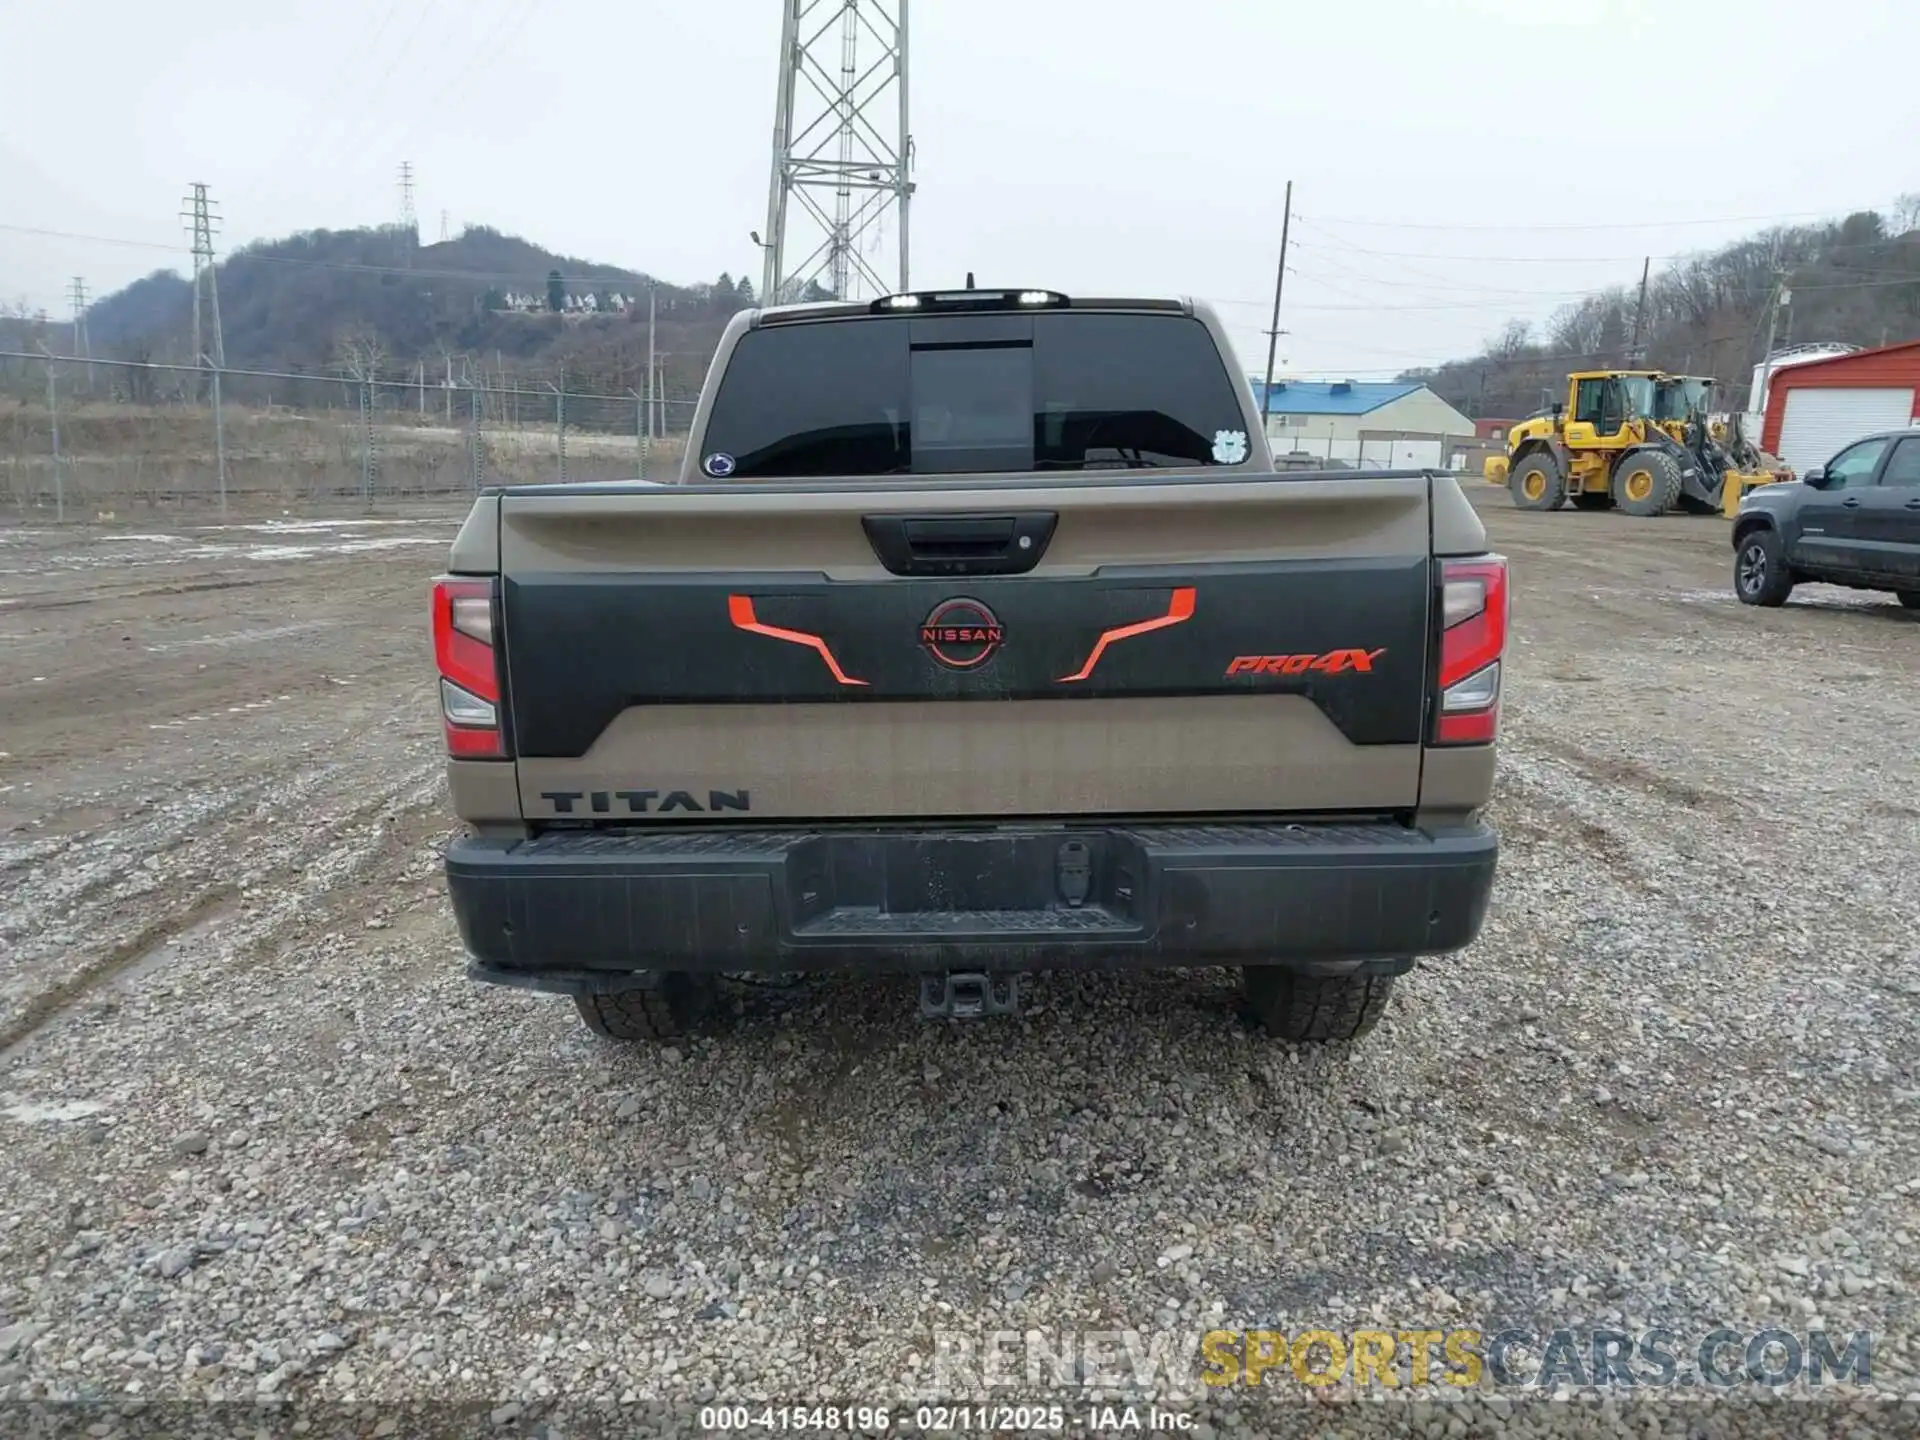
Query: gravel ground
point(265, 1141)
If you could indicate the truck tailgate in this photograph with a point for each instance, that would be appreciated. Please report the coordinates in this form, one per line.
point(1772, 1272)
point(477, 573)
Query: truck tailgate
point(1172, 645)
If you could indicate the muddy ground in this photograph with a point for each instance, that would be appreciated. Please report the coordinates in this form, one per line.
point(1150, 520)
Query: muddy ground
point(264, 1138)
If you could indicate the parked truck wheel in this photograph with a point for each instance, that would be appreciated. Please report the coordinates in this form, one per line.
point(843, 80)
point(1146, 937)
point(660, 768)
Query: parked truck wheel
point(1646, 483)
point(1315, 1008)
point(666, 1007)
point(1537, 484)
point(1761, 575)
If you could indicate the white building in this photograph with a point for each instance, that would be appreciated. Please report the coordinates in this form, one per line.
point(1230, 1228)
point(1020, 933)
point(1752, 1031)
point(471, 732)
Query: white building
point(1377, 424)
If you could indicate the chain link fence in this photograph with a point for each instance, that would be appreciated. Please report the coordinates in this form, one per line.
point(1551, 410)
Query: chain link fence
point(79, 436)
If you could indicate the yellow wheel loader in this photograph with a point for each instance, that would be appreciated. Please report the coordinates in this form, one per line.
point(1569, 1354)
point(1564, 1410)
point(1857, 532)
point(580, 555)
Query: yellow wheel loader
point(1634, 440)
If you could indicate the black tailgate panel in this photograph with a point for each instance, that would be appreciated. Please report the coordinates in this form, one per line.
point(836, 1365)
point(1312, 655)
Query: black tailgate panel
point(582, 647)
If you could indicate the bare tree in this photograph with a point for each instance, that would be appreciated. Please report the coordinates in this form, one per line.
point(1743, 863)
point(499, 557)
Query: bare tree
point(1513, 341)
point(362, 354)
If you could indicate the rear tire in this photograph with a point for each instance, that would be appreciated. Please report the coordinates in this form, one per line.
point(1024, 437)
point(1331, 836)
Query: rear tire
point(1315, 1008)
point(1761, 575)
point(667, 1007)
point(1537, 484)
point(1646, 482)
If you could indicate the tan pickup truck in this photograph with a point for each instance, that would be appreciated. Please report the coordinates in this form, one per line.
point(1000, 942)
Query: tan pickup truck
point(980, 636)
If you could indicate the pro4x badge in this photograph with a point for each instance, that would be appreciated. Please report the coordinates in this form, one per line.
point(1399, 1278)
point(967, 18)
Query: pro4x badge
point(1329, 662)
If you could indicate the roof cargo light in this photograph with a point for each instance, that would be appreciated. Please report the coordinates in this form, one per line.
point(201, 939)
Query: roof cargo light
point(952, 300)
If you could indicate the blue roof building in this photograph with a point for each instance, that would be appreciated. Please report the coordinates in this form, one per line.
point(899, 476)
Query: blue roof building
point(1363, 422)
point(1335, 397)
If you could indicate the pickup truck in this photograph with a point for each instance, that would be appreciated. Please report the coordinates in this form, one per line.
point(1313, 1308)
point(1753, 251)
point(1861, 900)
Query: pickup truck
point(979, 637)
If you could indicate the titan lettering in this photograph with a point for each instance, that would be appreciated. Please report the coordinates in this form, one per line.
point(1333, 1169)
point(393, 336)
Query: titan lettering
point(641, 802)
point(1330, 662)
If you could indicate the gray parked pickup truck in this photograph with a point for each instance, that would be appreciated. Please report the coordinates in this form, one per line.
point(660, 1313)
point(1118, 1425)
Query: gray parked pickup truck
point(979, 637)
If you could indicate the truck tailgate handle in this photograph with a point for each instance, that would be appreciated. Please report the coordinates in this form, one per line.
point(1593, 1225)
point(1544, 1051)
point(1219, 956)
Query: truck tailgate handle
point(971, 544)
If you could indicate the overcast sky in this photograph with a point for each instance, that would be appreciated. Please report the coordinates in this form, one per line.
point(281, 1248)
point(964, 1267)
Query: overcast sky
point(1443, 152)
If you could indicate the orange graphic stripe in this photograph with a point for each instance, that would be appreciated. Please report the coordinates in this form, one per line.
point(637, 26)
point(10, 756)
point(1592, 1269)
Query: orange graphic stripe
point(1178, 609)
point(740, 611)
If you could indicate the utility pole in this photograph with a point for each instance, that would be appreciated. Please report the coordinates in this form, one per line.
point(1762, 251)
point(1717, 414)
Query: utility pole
point(653, 384)
point(1273, 334)
point(204, 218)
point(1781, 296)
point(1636, 356)
point(840, 143)
point(82, 342)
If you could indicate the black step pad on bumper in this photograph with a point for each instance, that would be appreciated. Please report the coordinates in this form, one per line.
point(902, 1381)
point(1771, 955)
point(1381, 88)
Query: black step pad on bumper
point(536, 912)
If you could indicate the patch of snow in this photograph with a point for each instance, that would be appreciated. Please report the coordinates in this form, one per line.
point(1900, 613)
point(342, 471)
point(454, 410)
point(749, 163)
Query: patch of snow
point(36, 1112)
point(344, 547)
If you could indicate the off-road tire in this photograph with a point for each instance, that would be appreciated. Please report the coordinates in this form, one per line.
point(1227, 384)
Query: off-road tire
point(1761, 575)
point(1315, 1008)
point(1909, 598)
point(1662, 483)
point(1553, 487)
point(666, 1008)
point(1593, 500)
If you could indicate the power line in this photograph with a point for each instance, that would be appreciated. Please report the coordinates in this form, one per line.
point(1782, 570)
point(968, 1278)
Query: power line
point(334, 149)
point(508, 23)
point(1429, 256)
point(245, 257)
point(1606, 225)
point(352, 63)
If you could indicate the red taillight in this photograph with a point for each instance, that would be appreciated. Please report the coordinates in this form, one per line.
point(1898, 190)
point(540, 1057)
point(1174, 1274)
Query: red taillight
point(1473, 638)
point(469, 674)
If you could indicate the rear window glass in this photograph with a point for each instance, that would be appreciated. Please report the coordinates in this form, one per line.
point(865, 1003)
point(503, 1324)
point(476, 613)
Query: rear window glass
point(934, 395)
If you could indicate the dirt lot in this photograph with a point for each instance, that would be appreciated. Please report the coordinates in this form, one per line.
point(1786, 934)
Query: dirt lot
point(264, 1139)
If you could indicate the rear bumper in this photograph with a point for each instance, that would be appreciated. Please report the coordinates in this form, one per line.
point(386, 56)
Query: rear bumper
point(574, 911)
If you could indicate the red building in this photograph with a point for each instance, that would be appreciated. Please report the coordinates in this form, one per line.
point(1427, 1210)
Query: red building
point(1816, 409)
point(1495, 430)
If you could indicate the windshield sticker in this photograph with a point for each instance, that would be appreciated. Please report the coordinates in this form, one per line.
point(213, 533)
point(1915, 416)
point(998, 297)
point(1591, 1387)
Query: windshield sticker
point(720, 464)
point(1229, 447)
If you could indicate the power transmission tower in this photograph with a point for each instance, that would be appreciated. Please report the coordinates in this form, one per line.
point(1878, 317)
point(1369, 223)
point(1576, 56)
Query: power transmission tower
point(408, 219)
point(82, 342)
point(443, 227)
point(839, 131)
point(207, 340)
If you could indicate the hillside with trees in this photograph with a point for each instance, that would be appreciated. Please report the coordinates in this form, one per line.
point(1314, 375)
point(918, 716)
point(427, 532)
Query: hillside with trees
point(332, 300)
point(1855, 281)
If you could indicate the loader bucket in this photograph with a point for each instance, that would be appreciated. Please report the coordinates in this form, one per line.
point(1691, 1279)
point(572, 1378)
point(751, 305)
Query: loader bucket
point(1739, 482)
